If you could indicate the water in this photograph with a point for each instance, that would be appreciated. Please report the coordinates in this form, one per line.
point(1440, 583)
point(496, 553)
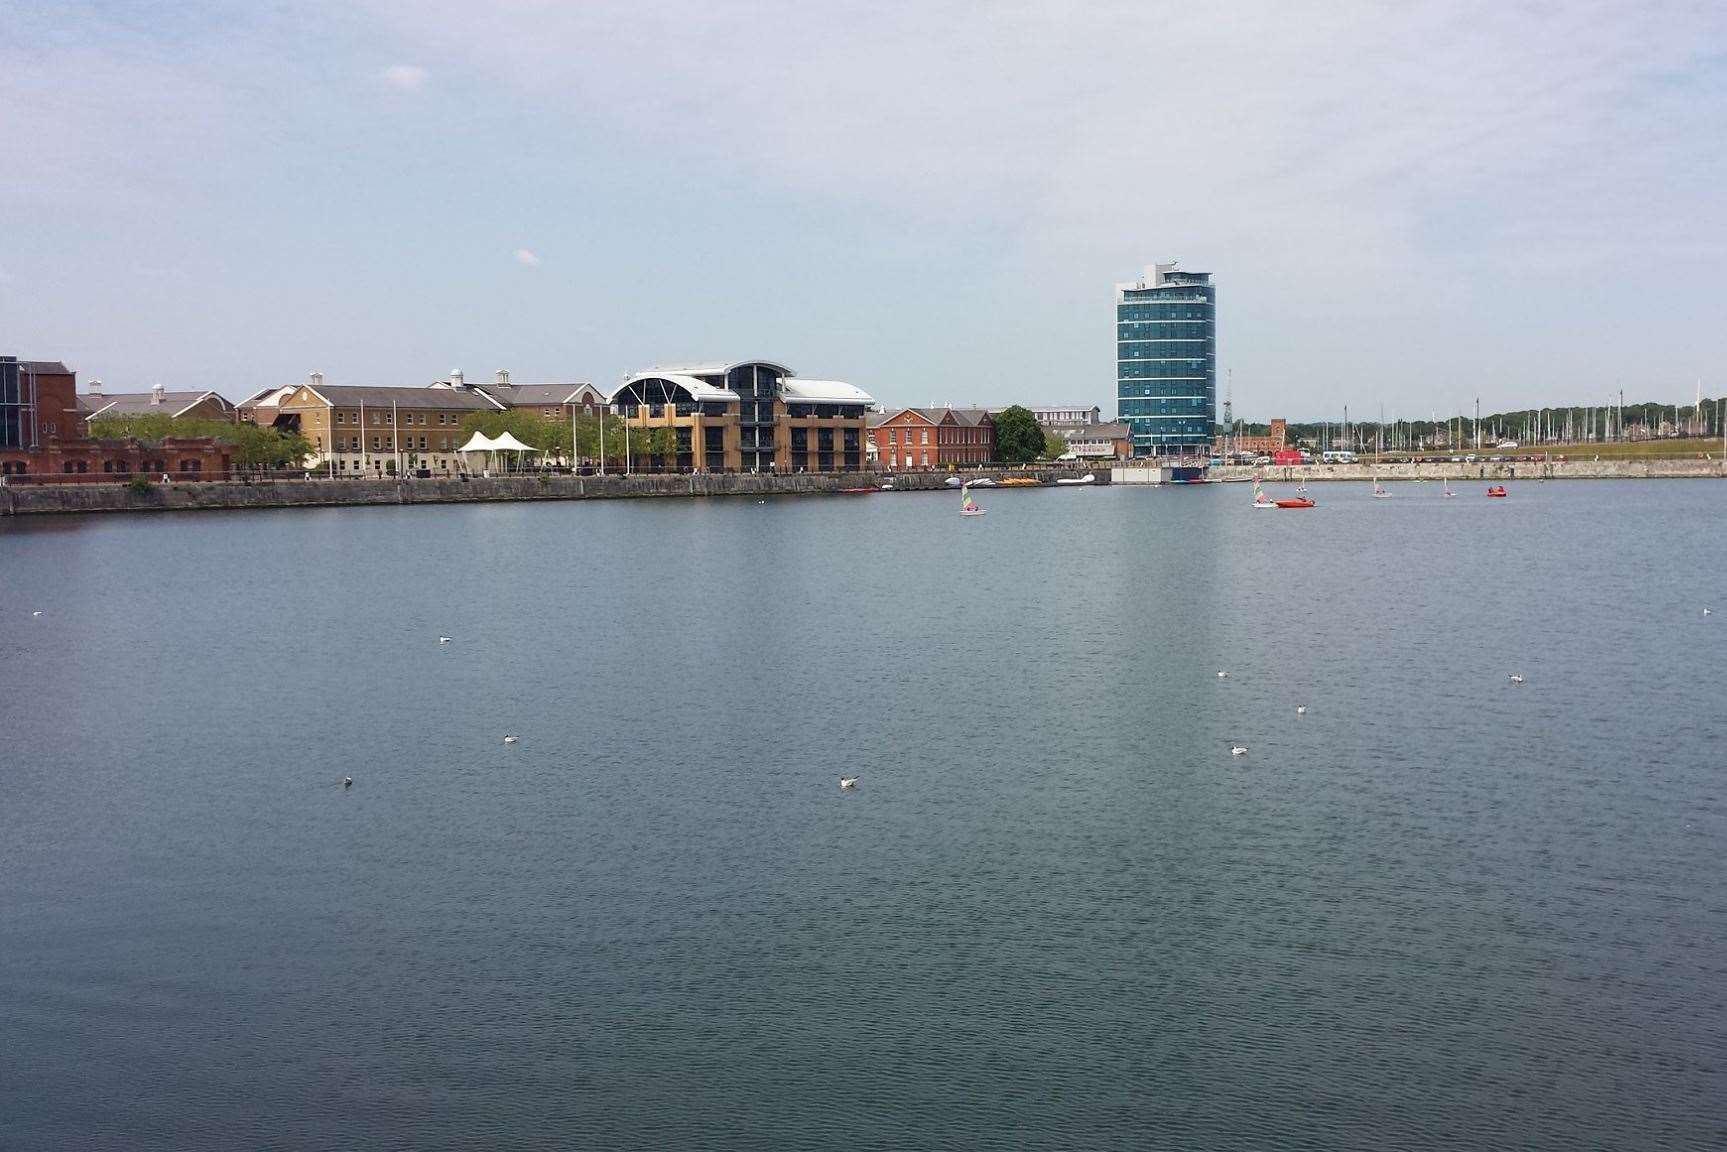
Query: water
point(1436, 911)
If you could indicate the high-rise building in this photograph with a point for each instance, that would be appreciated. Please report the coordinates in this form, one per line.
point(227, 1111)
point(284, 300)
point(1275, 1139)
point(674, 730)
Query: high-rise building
point(1166, 360)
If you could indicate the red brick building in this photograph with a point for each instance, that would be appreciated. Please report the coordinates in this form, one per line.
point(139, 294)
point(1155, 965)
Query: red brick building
point(43, 433)
point(933, 438)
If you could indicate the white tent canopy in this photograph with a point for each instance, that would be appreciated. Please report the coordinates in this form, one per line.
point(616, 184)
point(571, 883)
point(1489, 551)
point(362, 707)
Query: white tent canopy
point(479, 442)
point(508, 443)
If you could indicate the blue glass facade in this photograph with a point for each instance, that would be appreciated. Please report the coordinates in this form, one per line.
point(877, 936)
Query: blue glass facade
point(1166, 361)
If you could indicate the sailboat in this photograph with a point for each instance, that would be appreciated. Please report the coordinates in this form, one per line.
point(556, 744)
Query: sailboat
point(1379, 492)
point(968, 506)
point(1260, 499)
point(1448, 492)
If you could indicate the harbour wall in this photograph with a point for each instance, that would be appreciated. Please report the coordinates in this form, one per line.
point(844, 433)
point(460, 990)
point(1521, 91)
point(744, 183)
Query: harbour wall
point(34, 499)
point(1482, 470)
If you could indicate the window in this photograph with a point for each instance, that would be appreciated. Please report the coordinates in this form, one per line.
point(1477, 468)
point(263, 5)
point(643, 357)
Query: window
point(892, 436)
point(374, 440)
point(377, 418)
point(926, 459)
point(422, 443)
point(440, 417)
point(926, 436)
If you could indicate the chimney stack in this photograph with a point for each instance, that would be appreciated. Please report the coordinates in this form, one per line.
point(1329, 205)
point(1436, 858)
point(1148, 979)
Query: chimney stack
point(503, 376)
point(95, 387)
point(317, 379)
point(456, 378)
point(157, 393)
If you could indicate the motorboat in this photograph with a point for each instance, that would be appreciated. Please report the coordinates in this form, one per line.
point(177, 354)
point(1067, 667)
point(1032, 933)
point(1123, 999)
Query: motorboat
point(1497, 490)
point(983, 482)
point(1297, 502)
point(954, 482)
point(1088, 478)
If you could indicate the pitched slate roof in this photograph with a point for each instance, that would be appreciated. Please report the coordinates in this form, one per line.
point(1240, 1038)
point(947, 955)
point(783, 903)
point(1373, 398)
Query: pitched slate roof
point(540, 395)
point(44, 367)
point(353, 395)
point(144, 403)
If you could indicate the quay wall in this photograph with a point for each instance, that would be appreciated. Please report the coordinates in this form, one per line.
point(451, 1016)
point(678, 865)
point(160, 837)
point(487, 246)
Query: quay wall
point(1482, 470)
point(34, 499)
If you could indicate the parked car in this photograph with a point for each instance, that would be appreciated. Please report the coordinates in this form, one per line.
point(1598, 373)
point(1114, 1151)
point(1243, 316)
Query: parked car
point(1262, 461)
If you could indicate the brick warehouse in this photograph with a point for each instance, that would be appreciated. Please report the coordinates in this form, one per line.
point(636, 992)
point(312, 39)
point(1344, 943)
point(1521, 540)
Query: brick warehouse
point(43, 432)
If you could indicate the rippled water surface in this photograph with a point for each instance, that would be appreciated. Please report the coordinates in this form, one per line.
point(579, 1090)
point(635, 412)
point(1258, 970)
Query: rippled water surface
point(1436, 911)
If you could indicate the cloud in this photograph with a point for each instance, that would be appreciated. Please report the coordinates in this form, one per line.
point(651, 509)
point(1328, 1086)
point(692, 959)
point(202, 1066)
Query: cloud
point(407, 77)
point(526, 258)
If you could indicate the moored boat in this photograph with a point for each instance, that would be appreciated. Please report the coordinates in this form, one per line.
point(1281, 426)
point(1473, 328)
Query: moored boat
point(1497, 490)
point(1297, 502)
point(1088, 478)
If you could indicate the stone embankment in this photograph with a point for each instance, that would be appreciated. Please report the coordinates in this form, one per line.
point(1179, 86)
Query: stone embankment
point(29, 499)
point(1482, 470)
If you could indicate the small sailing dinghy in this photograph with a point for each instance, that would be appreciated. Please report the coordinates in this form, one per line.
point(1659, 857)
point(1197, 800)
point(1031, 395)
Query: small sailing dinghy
point(1260, 499)
point(1379, 492)
point(1448, 492)
point(968, 506)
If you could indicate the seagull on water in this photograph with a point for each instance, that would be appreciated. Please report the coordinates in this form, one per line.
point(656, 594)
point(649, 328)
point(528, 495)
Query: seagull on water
point(1238, 750)
point(848, 782)
point(1516, 679)
point(1706, 612)
point(443, 639)
point(38, 612)
point(1223, 675)
point(347, 782)
point(511, 739)
point(1301, 709)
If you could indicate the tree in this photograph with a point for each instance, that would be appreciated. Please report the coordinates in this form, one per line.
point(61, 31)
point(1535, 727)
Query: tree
point(1053, 445)
point(1018, 438)
point(535, 431)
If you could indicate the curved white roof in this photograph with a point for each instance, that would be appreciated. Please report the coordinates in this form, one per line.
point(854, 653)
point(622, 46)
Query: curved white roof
point(698, 389)
point(823, 392)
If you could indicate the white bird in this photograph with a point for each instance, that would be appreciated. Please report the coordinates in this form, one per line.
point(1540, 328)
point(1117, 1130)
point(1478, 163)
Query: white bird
point(1238, 750)
point(848, 781)
point(38, 612)
point(1706, 612)
point(1301, 709)
point(1516, 679)
point(1223, 675)
point(347, 782)
point(511, 739)
point(443, 639)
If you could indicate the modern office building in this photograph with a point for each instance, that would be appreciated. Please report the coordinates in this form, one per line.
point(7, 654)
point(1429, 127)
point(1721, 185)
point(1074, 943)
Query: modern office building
point(1166, 360)
point(748, 416)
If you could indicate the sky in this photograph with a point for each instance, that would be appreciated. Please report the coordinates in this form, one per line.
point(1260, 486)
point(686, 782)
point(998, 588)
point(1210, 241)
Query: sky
point(1405, 205)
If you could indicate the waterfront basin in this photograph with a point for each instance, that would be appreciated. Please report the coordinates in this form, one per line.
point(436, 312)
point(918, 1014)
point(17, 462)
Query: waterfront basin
point(1436, 911)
